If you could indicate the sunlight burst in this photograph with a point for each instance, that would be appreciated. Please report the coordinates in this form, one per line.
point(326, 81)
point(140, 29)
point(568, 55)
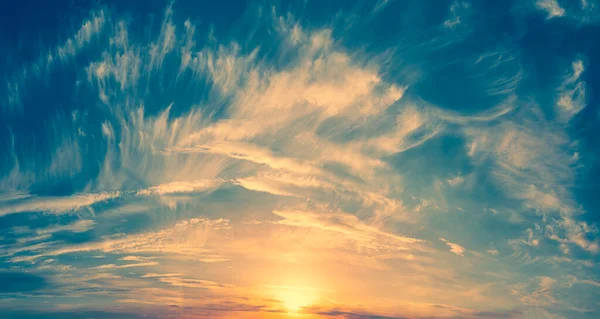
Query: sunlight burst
point(295, 298)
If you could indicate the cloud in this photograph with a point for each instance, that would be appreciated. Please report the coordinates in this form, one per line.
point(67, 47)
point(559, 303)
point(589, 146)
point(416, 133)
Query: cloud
point(66, 159)
point(179, 187)
point(456, 181)
point(165, 43)
point(536, 170)
point(589, 282)
point(251, 153)
point(79, 226)
point(580, 13)
point(54, 205)
point(455, 248)
point(151, 275)
point(134, 258)
point(89, 28)
point(543, 295)
point(226, 128)
point(26, 168)
point(571, 94)
point(192, 283)
point(569, 231)
point(185, 238)
point(492, 252)
point(18, 86)
point(352, 315)
point(457, 8)
point(113, 266)
point(347, 225)
point(442, 310)
point(551, 7)
point(540, 313)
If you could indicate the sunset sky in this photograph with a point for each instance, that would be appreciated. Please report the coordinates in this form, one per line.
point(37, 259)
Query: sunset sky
point(407, 159)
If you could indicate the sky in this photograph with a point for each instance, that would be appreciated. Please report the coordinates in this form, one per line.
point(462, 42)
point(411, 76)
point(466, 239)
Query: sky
point(408, 159)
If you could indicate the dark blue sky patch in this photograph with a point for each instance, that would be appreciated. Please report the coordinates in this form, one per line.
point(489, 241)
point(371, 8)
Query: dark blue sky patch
point(444, 156)
point(29, 220)
point(11, 282)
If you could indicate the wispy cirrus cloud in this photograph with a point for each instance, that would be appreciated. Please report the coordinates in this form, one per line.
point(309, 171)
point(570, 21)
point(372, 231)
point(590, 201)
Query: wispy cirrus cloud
point(55, 205)
point(198, 172)
point(571, 97)
point(183, 238)
point(17, 87)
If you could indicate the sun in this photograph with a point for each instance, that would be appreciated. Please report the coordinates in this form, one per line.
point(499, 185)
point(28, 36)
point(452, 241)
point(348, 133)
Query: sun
point(295, 298)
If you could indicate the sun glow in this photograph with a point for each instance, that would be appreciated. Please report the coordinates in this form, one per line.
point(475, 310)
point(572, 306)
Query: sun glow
point(295, 298)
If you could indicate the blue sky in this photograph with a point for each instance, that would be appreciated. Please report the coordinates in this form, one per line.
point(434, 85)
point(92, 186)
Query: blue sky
point(304, 159)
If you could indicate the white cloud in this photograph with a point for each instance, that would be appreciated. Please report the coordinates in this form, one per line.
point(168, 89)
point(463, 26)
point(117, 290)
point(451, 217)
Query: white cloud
point(79, 226)
point(551, 7)
point(589, 282)
point(180, 187)
point(543, 295)
point(89, 28)
point(54, 205)
point(262, 185)
point(135, 258)
point(571, 97)
point(66, 160)
point(152, 275)
point(266, 107)
point(113, 266)
point(165, 43)
point(184, 238)
point(252, 153)
point(455, 248)
point(493, 252)
point(457, 9)
point(192, 283)
point(349, 226)
point(380, 5)
point(532, 160)
point(456, 180)
point(568, 231)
